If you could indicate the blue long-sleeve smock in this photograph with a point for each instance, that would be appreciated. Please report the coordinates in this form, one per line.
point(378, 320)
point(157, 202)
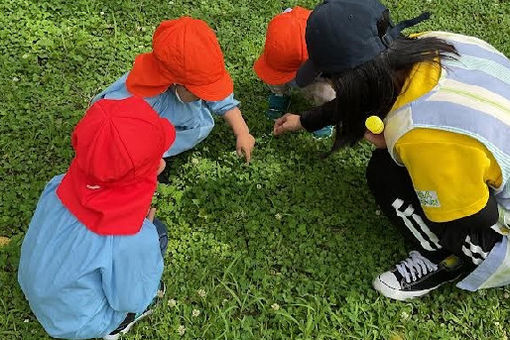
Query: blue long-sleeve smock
point(193, 121)
point(80, 284)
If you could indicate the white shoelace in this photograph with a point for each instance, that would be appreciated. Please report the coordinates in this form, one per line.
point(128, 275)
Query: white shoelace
point(415, 266)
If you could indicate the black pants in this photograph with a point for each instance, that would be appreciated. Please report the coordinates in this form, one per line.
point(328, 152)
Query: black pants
point(470, 238)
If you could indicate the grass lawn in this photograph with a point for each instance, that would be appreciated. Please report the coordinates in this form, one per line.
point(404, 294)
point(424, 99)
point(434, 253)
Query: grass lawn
point(285, 248)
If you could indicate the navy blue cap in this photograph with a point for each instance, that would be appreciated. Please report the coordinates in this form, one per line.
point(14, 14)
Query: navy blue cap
point(342, 34)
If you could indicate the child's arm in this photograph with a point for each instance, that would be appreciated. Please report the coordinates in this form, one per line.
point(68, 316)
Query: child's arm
point(245, 141)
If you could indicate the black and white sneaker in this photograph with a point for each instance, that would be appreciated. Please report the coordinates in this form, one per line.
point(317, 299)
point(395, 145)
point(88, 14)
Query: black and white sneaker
point(417, 276)
point(133, 318)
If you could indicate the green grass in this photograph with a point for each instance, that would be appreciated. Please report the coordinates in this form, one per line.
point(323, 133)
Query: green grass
point(289, 231)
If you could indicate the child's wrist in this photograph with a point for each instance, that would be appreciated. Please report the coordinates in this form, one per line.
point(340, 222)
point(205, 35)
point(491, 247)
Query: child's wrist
point(242, 131)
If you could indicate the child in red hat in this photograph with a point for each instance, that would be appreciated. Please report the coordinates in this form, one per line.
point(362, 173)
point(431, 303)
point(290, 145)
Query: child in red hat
point(184, 79)
point(92, 259)
point(284, 52)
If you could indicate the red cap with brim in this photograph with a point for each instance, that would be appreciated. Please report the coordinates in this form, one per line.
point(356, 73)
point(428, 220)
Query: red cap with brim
point(285, 47)
point(111, 181)
point(186, 52)
point(148, 78)
point(270, 75)
point(216, 91)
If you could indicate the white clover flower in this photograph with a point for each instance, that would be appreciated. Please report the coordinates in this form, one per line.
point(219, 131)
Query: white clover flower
point(404, 315)
point(259, 186)
point(26, 320)
point(195, 161)
point(506, 295)
point(378, 212)
point(201, 293)
point(102, 13)
point(172, 303)
point(278, 216)
point(15, 79)
point(181, 330)
point(25, 56)
point(195, 313)
point(275, 306)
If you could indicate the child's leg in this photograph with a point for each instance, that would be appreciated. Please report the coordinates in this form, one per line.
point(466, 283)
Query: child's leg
point(279, 101)
point(470, 238)
point(281, 90)
point(394, 192)
point(132, 318)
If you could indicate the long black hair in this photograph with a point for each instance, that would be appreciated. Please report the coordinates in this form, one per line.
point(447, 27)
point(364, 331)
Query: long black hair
point(372, 88)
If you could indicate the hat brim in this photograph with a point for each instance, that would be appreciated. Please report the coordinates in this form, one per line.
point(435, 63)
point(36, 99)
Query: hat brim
point(215, 91)
point(147, 78)
point(115, 210)
point(269, 75)
point(307, 74)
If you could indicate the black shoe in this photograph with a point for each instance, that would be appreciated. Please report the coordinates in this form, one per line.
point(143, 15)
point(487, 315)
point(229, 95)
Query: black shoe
point(417, 276)
point(133, 318)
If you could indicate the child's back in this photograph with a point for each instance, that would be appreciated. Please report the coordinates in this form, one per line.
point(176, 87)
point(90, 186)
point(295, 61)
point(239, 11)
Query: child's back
point(91, 259)
point(74, 278)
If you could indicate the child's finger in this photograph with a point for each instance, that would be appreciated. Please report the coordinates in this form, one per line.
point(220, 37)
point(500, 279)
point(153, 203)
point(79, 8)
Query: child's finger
point(239, 151)
point(279, 128)
point(247, 154)
point(280, 121)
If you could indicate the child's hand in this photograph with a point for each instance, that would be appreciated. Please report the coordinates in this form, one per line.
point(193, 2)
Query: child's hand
point(289, 122)
point(245, 143)
point(377, 140)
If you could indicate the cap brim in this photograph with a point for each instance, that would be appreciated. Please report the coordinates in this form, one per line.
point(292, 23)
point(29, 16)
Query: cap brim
point(106, 211)
point(216, 91)
point(146, 78)
point(269, 75)
point(306, 74)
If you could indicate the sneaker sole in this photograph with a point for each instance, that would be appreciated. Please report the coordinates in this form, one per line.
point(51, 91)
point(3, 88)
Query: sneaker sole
point(128, 327)
point(401, 295)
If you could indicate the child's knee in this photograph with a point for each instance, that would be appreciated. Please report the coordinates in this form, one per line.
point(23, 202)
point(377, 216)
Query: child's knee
point(381, 169)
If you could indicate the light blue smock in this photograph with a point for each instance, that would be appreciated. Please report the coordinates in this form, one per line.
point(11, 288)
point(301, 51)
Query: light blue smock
point(80, 284)
point(193, 121)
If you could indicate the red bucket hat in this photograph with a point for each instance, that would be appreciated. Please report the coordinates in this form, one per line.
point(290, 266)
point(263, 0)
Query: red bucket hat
point(112, 178)
point(185, 51)
point(285, 48)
